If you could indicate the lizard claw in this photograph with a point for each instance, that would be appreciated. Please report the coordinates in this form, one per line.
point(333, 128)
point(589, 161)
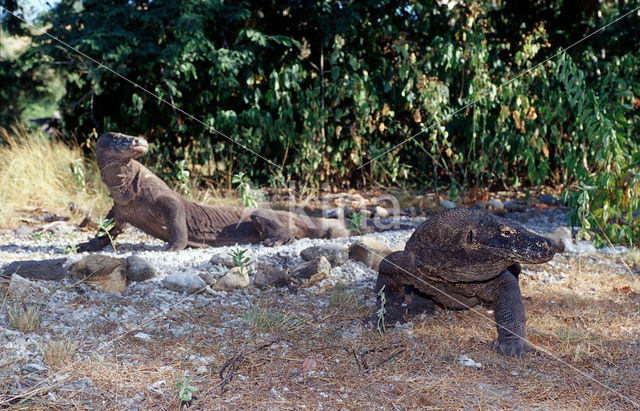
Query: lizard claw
point(512, 347)
point(274, 242)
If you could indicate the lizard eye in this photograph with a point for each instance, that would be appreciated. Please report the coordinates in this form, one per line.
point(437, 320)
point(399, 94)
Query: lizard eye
point(507, 231)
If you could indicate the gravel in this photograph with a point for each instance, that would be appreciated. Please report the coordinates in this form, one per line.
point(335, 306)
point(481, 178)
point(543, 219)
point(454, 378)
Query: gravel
point(149, 310)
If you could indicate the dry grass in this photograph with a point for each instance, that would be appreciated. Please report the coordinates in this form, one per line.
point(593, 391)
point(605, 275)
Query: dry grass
point(25, 319)
point(36, 173)
point(289, 355)
point(59, 353)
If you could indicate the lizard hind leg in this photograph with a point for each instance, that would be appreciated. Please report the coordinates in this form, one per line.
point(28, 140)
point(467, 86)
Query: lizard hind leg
point(270, 228)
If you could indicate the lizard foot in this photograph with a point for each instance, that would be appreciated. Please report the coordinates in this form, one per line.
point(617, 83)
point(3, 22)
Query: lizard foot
point(95, 244)
point(512, 347)
point(276, 241)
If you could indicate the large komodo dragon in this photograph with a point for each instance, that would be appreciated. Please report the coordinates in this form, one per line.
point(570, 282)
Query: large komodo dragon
point(459, 258)
point(143, 200)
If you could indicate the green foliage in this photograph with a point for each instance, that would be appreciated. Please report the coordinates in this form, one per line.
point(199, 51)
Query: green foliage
point(251, 197)
point(182, 177)
point(382, 311)
point(321, 88)
point(104, 228)
point(240, 260)
point(185, 391)
point(355, 222)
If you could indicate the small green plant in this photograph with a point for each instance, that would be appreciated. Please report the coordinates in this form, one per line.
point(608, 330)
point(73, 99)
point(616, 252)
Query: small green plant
point(185, 391)
point(58, 353)
point(105, 225)
point(24, 319)
point(580, 210)
point(355, 222)
point(250, 196)
point(77, 168)
point(182, 176)
point(72, 248)
point(381, 312)
point(240, 260)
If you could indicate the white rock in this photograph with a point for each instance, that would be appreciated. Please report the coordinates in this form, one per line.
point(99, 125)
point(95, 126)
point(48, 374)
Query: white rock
point(465, 360)
point(448, 204)
point(142, 336)
point(27, 290)
point(235, 278)
point(582, 247)
point(184, 283)
point(381, 212)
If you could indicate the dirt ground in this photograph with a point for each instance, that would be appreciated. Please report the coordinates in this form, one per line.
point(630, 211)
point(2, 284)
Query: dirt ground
point(284, 354)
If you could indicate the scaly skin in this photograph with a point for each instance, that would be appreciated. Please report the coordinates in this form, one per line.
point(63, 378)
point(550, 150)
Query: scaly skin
point(459, 258)
point(143, 200)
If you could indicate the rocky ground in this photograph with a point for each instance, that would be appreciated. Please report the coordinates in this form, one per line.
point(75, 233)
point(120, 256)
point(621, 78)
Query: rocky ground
point(303, 346)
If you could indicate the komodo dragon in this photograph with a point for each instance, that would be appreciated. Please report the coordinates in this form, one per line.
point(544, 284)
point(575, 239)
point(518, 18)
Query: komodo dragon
point(143, 200)
point(459, 258)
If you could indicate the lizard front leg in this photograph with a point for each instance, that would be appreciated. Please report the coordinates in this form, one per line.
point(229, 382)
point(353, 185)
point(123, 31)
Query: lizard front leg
point(101, 241)
point(391, 283)
point(509, 313)
point(176, 223)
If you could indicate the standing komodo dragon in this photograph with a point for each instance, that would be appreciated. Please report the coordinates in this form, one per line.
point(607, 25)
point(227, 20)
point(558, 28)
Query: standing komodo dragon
point(143, 200)
point(459, 258)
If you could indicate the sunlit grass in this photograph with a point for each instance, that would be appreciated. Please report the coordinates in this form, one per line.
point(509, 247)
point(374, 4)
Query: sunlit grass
point(37, 172)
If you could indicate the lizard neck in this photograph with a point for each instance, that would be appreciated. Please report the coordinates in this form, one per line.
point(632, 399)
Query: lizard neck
point(120, 177)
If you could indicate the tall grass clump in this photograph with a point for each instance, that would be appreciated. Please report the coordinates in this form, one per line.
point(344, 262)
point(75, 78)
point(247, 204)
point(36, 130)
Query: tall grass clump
point(39, 172)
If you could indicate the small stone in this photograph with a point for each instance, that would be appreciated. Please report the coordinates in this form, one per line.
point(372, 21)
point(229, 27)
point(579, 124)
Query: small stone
point(309, 365)
point(339, 213)
point(411, 211)
point(549, 200)
point(59, 228)
point(381, 212)
point(184, 283)
point(310, 273)
point(34, 367)
point(202, 369)
point(38, 270)
point(365, 213)
point(495, 204)
point(369, 251)
point(23, 231)
point(479, 205)
point(139, 269)
point(224, 259)
point(235, 278)
point(336, 254)
point(210, 278)
point(465, 360)
point(516, 206)
point(26, 290)
point(269, 276)
point(582, 247)
point(448, 204)
point(142, 336)
point(105, 272)
point(558, 237)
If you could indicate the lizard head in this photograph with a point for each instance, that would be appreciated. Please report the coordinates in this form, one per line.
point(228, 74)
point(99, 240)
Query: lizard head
point(473, 245)
point(122, 146)
point(500, 238)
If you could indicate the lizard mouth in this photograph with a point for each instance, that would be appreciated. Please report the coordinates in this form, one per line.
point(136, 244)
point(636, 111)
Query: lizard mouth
point(140, 145)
